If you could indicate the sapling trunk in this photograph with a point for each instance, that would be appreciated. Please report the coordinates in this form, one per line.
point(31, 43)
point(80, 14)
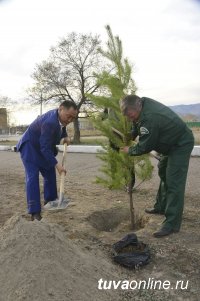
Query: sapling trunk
point(132, 209)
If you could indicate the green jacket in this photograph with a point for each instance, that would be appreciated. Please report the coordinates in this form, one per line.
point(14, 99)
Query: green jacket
point(158, 127)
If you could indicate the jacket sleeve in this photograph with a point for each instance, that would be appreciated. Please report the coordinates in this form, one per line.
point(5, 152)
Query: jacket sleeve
point(148, 139)
point(48, 132)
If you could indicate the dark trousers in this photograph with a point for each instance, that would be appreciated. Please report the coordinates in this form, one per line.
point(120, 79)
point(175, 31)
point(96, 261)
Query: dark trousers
point(173, 173)
point(160, 204)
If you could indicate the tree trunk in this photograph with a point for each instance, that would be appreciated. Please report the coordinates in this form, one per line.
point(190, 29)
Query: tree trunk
point(77, 135)
point(132, 210)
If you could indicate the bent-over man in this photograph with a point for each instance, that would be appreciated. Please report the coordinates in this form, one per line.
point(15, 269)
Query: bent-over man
point(162, 130)
point(38, 150)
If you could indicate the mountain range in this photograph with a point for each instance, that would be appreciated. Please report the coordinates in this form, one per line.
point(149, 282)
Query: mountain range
point(191, 111)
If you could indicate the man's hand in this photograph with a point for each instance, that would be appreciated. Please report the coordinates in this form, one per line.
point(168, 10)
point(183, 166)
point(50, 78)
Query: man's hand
point(60, 169)
point(124, 149)
point(66, 140)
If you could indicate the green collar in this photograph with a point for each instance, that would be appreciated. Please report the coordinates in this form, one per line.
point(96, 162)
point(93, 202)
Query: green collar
point(141, 116)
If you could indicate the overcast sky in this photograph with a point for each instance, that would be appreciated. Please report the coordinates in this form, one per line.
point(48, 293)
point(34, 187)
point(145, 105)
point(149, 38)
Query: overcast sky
point(160, 37)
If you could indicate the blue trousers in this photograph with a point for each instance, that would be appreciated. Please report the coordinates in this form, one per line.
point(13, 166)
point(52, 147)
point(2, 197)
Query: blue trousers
point(32, 171)
point(33, 188)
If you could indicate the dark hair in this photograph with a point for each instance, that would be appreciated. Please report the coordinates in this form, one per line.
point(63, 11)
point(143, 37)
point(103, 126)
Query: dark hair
point(133, 102)
point(69, 104)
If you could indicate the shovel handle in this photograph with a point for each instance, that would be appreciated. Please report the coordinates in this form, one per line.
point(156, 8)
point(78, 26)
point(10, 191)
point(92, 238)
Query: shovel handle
point(61, 194)
point(62, 176)
point(64, 155)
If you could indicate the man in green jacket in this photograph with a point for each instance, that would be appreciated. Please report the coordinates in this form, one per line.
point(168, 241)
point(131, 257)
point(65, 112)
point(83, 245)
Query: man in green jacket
point(162, 130)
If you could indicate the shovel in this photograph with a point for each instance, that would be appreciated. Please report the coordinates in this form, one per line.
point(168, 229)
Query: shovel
point(61, 203)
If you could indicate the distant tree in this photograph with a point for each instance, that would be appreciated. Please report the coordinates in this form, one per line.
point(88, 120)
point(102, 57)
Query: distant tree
point(37, 93)
point(68, 73)
point(119, 169)
point(5, 101)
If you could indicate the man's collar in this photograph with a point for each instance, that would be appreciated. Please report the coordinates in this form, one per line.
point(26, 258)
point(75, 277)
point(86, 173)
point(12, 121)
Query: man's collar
point(141, 116)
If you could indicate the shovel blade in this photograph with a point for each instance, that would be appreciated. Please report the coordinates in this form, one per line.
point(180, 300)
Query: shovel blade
point(57, 205)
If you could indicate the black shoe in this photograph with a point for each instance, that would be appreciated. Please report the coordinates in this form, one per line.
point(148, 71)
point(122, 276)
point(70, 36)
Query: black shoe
point(36, 216)
point(164, 232)
point(153, 211)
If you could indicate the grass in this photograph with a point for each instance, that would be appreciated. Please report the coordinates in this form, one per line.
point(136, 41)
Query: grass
point(84, 141)
point(90, 139)
point(8, 142)
point(94, 140)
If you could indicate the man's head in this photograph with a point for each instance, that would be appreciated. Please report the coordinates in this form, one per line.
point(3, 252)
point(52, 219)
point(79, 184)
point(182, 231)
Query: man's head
point(67, 112)
point(131, 106)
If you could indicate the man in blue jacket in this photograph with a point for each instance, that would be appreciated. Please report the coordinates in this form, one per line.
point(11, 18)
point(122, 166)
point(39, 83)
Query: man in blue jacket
point(37, 148)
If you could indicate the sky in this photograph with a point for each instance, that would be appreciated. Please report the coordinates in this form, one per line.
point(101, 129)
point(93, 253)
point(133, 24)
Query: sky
point(160, 38)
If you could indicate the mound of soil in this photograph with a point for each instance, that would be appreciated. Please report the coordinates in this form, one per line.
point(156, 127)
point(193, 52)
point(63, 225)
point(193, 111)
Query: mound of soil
point(38, 262)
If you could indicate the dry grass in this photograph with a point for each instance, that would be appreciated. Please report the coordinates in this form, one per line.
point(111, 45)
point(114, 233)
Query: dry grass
point(8, 142)
point(85, 133)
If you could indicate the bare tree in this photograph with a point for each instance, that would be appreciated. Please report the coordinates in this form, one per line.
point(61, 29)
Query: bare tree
point(4, 101)
point(69, 73)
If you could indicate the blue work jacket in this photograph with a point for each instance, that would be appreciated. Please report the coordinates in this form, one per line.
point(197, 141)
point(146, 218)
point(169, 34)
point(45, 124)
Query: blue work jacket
point(38, 143)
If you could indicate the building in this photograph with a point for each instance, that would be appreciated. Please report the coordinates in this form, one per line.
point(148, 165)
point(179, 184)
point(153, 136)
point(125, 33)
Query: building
point(3, 121)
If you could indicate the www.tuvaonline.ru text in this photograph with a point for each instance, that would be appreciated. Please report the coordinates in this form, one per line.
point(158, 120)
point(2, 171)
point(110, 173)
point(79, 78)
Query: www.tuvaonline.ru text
point(149, 284)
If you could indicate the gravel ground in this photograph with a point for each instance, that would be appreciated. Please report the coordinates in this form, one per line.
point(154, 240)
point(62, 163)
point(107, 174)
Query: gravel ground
point(97, 217)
